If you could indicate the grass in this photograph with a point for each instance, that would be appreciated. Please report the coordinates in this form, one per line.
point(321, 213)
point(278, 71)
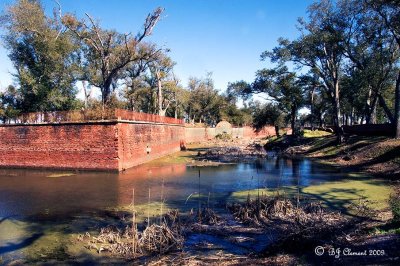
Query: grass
point(315, 134)
point(143, 210)
point(241, 196)
point(272, 138)
point(341, 195)
point(180, 157)
point(60, 175)
point(380, 231)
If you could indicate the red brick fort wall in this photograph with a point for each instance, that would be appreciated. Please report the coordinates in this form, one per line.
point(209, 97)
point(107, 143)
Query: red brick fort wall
point(98, 145)
point(72, 146)
point(140, 143)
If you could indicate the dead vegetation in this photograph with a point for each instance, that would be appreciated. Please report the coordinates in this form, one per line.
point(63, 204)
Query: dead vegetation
point(131, 242)
point(208, 216)
point(234, 153)
point(156, 238)
point(291, 221)
point(265, 210)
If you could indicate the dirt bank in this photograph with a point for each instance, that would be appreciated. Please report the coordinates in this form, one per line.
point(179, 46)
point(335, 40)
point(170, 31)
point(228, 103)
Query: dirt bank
point(374, 155)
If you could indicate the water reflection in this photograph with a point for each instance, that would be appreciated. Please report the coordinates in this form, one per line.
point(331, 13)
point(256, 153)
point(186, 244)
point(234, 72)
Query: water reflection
point(33, 192)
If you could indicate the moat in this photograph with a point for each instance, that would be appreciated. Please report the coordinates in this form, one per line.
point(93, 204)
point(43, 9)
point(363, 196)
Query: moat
point(29, 193)
point(43, 211)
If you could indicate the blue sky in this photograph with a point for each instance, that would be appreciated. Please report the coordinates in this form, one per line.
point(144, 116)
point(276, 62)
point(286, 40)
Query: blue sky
point(225, 37)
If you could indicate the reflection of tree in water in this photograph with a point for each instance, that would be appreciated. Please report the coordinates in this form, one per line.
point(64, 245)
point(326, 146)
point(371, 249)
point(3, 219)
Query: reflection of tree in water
point(277, 163)
point(296, 178)
point(259, 165)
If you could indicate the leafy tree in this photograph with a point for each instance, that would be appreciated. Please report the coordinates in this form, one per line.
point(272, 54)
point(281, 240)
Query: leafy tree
point(239, 89)
point(389, 11)
point(43, 55)
point(161, 75)
point(135, 80)
point(9, 100)
point(318, 49)
point(371, 50)
point(179, 100)
point(312, 89)
point(204, 103)
point(268, 114)
point(281, 85)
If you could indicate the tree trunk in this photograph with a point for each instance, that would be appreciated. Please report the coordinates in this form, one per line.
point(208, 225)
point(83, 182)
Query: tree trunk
point(106, 92)
point(397, 107)
point(336, 116)
point(352, 116)
point(312, 109)
point(388, 113)
point(277, 131)
point(161, 112)
point(368, 107)
point(293, 120)
point(370, 114)
point(176, 106)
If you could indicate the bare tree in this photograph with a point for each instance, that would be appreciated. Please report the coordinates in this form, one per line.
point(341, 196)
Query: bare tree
point(108, 52)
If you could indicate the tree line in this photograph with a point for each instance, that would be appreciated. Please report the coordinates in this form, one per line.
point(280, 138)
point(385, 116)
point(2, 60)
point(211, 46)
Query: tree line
point(51, 55)
point(345, 68)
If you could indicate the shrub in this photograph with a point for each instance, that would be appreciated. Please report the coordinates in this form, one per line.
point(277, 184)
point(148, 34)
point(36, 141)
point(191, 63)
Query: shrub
point(223, 136)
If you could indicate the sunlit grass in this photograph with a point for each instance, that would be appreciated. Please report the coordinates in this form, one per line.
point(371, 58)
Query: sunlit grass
point(343, 194)
point(339, 195)
point(315, 134)
point(143, 211)
point(61, 175)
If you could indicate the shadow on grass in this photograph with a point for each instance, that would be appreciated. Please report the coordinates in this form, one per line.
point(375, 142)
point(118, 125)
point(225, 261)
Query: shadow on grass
point(330, 200)
point(329, 142)
point(393, 226)
point(385, 157)
point(22, 244)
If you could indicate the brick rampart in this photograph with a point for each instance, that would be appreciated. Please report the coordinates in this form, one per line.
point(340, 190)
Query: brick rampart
point(72, 146)
point(140, 143)
point(109, 145)
point(199, 134)
point(101, 145)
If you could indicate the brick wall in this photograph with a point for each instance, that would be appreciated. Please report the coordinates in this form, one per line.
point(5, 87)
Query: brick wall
point(97, 146)
point(112, 145)
point(195, 134)
point(199, 134)
point(248, 132)
point(83, 146)
point(139, 143)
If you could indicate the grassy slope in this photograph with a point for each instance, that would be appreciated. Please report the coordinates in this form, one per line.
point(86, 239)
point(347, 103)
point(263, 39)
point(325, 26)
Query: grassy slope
point(375, 155)
point(366, 159)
